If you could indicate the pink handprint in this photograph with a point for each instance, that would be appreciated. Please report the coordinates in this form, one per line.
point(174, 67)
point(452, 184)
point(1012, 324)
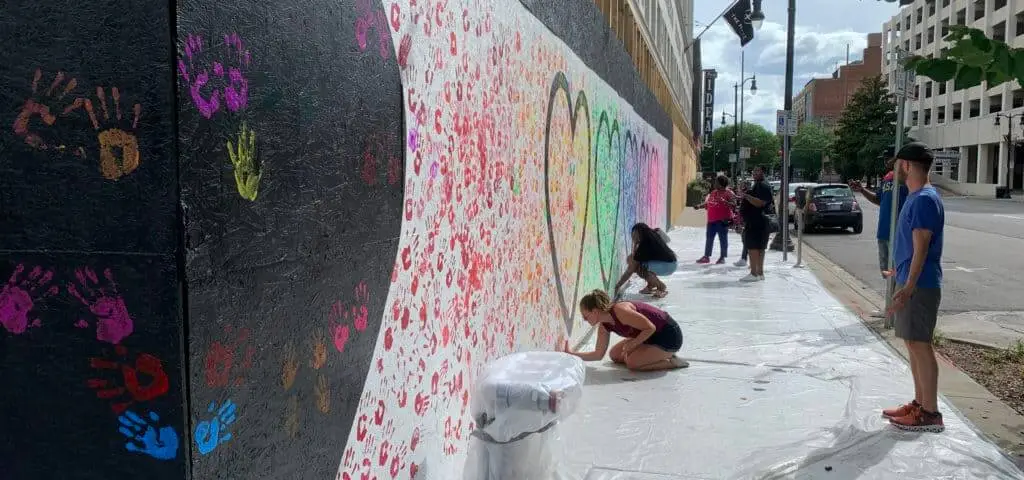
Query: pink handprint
point(376, 19)
point(19, 295)
point(196, 76)
point(359, 312)
point(112, 320)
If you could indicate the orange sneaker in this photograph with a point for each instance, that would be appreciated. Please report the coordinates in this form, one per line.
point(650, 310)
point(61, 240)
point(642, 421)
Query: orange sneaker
point(901, 411)
point(919, 421)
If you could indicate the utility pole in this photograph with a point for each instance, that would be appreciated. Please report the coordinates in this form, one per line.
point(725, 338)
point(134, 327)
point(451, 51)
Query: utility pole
point(735, 128)
point(743, 82)
point(782, 240)
point(904, 84)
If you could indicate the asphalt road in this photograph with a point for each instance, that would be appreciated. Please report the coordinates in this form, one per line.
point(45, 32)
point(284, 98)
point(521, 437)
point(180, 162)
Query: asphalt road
point(983, 255)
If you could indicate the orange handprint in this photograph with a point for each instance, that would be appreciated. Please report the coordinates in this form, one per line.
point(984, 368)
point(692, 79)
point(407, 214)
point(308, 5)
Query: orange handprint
point(39, 105)
point(119, 146)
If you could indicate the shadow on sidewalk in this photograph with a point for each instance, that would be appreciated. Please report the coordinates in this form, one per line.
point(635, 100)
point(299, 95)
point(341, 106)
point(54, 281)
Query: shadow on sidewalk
point(606, 374)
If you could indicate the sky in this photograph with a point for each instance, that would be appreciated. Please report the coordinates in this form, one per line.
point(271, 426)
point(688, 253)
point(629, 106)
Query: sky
point(823, 29)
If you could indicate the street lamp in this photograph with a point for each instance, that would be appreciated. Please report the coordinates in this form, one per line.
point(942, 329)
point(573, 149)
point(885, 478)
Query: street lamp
point(1009, 144)
point(757, 16)
point(735, 136)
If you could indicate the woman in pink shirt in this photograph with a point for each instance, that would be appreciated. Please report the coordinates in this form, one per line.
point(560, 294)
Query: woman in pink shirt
point(719, 204)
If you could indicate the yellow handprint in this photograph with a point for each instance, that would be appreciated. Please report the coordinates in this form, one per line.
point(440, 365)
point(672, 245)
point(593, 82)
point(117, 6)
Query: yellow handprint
point(247, 168)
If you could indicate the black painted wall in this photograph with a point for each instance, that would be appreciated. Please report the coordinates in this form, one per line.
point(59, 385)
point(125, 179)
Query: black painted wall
point(131, 177)
point(274, 281)
point(90, 309)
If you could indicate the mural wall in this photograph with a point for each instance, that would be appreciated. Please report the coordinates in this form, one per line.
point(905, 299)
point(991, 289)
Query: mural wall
point(524, 172)
point(284, 245)
point(91, 356)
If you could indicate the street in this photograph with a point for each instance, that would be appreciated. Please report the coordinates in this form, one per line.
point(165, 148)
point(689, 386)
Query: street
point(981, 256)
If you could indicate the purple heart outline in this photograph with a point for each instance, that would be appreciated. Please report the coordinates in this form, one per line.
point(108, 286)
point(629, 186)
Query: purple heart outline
point(610, 131)
point(560, 83)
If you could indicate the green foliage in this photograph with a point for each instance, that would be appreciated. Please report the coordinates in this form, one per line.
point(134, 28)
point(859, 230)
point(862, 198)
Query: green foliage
point(972, 59)
point(809, 148)
point(866, 128)
point(764, 147)
point(696, 190)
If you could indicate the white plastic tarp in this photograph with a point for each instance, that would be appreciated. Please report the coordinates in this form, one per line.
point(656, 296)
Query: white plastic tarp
point(784, 382)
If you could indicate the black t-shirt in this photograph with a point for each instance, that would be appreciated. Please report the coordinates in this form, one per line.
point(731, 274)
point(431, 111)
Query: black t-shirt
point(653, 248)
point(752, 214)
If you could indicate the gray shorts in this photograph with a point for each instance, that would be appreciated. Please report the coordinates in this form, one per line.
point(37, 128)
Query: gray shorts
point(883, 255)
point(916, 320)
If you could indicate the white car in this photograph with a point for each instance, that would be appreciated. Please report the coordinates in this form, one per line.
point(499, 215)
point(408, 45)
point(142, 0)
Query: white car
point(792, 196)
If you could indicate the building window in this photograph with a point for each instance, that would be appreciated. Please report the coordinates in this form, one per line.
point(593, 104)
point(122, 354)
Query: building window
point(931, 34)
point(906, 23)
point(957, 111)
point(999, 4)
point(1020, 24)
point(942, 88)
point(917, 42)
point(979, 9)
point(975, 109)
point(945, 3)
point(931, 8)
point(995, 103)
point(917, 91)
point(944, 27)
point(927, 116)
point(961, 17)
point(913, 118)
point(918, 15)
point(906, 45)
point(999, 31)
point(1018, 98)
point(940, 115)
point(928, 90)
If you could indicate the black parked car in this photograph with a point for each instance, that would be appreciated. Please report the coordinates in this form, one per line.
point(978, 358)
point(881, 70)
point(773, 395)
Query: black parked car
point(833, 205)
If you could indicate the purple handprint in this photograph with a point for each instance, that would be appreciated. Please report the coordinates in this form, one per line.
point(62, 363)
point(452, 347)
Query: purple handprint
point(231, 79)
point(112, 320)
point(19, 296)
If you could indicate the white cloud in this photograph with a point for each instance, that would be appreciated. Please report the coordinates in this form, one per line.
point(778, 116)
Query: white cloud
point(823, 30)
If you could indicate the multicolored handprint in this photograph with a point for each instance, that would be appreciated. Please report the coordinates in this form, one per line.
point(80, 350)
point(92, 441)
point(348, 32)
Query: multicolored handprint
point(19, 296)
point(213, 75)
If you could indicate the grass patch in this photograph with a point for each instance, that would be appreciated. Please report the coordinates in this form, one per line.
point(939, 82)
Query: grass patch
point(1013, 353)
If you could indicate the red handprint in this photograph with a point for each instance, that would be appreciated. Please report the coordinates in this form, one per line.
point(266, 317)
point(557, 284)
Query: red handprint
point(19, 296)
point(39, 105)
point(340, 315)
point(220, 358)
point(359, 311)
point(112, 320)
point(155, 380)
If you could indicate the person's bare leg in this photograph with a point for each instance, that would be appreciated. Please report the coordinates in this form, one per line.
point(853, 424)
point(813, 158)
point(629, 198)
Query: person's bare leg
point(914, 370)
point(616, 353)
point(756, 262)
point(648, 358)
point(928, 371)
point(653, 279)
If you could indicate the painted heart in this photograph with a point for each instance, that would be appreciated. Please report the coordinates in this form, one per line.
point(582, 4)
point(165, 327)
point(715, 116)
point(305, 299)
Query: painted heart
point(607, 161)
point(567, 182)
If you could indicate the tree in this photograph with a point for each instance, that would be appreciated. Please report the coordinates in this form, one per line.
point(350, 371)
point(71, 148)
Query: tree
point(870, 115)
point(764, 147)
point(973, 58)
point(808, 149)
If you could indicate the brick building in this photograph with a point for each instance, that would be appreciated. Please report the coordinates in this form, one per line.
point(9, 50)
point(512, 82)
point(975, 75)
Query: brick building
point(823, 100)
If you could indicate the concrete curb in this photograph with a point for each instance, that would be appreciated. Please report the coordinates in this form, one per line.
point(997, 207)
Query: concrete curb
point(996, 420)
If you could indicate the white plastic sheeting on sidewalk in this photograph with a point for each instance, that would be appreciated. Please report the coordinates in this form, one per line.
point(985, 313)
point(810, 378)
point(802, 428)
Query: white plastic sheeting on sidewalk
point(784, 382)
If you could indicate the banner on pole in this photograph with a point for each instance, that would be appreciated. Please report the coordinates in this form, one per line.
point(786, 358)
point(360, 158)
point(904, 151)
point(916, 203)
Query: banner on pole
point(709, 104)
point(738, 18)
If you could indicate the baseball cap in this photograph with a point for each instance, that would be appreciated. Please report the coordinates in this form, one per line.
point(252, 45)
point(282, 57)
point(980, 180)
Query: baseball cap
point(916, 152)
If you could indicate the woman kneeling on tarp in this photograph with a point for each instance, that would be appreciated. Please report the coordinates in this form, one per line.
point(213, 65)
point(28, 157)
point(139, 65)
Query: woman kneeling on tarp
point(651, 257)
point(652, 337)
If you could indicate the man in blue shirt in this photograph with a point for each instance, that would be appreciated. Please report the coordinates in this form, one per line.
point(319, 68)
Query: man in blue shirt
point(884, 200)
point(915, 304)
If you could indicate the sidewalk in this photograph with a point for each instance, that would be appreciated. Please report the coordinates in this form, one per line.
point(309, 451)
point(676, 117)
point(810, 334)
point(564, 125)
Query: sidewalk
point(785, 382)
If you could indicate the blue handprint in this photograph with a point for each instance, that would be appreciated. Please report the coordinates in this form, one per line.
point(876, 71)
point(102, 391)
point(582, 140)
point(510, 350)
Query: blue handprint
point(209, 432)
point(145, 436)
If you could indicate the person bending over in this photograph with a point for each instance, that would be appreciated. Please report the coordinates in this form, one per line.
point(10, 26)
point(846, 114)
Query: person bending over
point(651, 257)
point(652, 337)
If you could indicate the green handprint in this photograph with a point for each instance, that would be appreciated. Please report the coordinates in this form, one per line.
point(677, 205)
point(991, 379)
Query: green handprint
point(247, 168)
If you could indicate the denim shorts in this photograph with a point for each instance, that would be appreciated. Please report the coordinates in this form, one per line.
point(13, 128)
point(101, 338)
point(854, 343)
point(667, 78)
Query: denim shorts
point(660, 268)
